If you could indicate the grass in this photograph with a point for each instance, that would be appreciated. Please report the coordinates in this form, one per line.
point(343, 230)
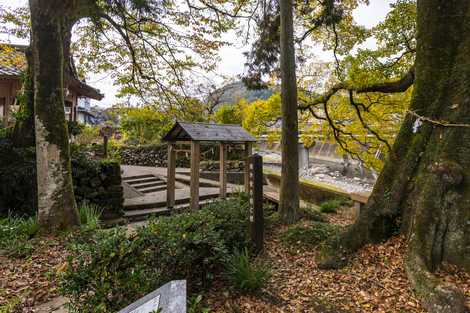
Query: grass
point(89, 215)
point(245, 275)
point(332, 205)
point(15, 235)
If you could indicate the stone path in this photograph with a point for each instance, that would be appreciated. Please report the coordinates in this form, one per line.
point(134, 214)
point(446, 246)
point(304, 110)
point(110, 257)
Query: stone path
point(56, 305)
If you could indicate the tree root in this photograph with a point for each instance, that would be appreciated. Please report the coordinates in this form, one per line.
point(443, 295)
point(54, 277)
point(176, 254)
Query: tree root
point(436, 297)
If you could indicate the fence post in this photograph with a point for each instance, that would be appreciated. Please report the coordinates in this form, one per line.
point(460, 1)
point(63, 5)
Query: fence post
point(257, 218)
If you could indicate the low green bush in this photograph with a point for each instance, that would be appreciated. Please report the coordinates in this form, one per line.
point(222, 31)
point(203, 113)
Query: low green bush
point(331, 206)
point(111, 269)
point(245, 274)
point(17, 180)
point(15, 235)
point(309, 234)
point(312, 214)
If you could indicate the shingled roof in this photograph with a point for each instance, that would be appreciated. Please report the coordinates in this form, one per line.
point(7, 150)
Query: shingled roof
point(182, 131)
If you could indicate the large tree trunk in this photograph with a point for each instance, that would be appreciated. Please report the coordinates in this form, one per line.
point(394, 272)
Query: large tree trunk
point(56, 202)
point(289, 193)
point(23, 132)
point(424, 189)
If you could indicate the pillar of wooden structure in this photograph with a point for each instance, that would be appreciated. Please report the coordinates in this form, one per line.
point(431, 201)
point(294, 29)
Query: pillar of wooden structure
point(222, 171)
point(248, 152)
point(194, 134)
point(194, 184)
point(171, 171)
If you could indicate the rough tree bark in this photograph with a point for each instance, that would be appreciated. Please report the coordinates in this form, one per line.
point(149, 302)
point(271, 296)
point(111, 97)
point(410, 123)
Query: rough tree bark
point(23, 132)
point(424, 188)
point(289, 193)
point(50, 30)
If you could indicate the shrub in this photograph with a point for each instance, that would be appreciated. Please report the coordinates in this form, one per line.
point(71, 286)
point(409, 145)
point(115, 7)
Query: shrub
point(17, 180)
point(309, 235)
point(112, 269)
point(312, 214)
point(245, 275)
point(330, 206)
point(89, 215)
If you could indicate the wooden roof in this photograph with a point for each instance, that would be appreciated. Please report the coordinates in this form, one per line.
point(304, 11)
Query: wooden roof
point(182, 131)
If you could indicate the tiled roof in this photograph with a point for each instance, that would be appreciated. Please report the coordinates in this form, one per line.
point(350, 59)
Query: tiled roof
point(208, 132)
point(12, 60)
point(13, 63)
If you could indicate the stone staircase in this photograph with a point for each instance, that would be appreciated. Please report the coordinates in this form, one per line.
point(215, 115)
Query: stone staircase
point(146, 183)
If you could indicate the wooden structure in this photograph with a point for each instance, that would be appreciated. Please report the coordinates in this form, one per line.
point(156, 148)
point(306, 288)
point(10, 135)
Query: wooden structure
point(194, 134)
point(12, 66)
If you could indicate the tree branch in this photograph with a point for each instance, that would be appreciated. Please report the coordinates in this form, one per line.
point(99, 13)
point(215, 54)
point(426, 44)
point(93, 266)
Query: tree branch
point(396, 86)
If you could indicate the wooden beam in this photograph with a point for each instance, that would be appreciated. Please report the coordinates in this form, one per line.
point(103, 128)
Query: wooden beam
point(257, 220)
point(194, 185)
point(170, 177)
point(222, 171)
point(248, 152)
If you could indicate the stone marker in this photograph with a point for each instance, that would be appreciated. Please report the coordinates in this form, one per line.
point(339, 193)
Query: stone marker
point(169, 298)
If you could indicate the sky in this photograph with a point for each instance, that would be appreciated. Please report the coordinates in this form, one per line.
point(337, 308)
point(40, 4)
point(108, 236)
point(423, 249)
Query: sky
point(231, 57)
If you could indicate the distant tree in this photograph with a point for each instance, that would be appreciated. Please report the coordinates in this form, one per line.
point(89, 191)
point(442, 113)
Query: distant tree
point(144, 125)
point(260, 115)
point(229, 114)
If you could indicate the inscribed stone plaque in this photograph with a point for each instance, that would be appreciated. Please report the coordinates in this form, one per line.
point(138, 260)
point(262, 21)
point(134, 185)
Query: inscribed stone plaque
point(170, 298)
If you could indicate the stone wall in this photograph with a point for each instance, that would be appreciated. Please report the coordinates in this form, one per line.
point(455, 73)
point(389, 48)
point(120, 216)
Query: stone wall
point(156, 155)
point(98, 182)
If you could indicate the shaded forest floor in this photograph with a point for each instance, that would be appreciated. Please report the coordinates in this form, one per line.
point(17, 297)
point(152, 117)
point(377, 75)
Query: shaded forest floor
point(375, 280)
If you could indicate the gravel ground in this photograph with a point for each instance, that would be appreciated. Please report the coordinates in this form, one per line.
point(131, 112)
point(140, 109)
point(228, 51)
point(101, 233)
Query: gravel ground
point(329, 172)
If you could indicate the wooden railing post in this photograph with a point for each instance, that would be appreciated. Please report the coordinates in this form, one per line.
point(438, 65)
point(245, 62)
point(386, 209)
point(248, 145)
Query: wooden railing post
point(222, 171)
point(248, 149)
point(257, 218)
point(170, 177)
point(194, 184)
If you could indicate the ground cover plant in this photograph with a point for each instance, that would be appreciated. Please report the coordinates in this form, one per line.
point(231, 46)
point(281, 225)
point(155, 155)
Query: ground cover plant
point(109, 269)
point(245, 274)
point(16, 234)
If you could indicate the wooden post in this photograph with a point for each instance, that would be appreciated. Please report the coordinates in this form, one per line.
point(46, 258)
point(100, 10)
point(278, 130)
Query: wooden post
point(105, 146)
point(247, 166)
point(222, 173)
point(170, 176)
point(194, 185)
point(257, 220)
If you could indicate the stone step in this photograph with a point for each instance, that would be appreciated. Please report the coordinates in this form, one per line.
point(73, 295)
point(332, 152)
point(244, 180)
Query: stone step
point(149, 184)
point(141, 215)
point(142, 180)
point(152, 189)
point(162, 203)
point(137, 177)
